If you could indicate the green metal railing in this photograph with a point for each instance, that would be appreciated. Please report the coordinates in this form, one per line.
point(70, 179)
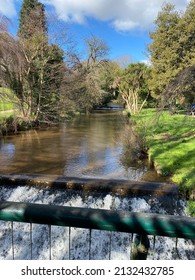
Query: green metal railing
point(142, 224)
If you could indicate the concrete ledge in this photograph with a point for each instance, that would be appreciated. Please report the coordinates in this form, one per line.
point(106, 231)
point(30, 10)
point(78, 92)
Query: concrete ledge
point(121, 187)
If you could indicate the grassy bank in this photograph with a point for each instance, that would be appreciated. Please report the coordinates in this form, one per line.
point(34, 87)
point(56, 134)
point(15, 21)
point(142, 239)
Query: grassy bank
point(6, 109)
point(171, 142)
point(6, 95)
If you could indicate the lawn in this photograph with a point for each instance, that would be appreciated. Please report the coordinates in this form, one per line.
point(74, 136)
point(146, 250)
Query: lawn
point(5, 103)
point(171, 142)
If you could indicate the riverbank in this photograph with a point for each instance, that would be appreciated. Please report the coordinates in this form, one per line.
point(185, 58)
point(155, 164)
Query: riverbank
point(11, 124)
point(171, 143)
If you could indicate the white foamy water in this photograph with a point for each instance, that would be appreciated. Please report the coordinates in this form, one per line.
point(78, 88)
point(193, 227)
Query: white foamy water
point(74, 243)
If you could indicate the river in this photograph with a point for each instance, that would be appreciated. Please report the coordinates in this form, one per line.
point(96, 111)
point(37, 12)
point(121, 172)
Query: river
point(89, 146)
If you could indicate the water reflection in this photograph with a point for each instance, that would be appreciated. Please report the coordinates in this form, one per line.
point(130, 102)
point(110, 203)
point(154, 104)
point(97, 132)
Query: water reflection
point(86, 147)
point(7, 150)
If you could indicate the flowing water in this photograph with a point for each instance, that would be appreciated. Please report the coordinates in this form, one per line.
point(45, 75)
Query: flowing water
point(89, 146)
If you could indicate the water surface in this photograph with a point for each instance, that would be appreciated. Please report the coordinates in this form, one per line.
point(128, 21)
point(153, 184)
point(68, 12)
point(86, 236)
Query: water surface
point(89, 146)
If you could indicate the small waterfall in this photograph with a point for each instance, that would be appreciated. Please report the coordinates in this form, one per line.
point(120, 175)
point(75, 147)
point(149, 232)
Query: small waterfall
point(42, 241)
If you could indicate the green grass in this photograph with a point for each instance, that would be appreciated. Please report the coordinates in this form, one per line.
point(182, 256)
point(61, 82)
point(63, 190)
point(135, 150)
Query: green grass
point(6, 106)
point(4, 115)
point(171, 142)
point(7, 109)
point(6, 103)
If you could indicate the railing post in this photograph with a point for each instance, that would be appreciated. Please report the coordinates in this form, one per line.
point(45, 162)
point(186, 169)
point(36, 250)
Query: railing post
point(140, 247)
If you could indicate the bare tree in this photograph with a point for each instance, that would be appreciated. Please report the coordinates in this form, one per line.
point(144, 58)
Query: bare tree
point(181, 90)
point(4, 22)
point(84, 76)
point(97, 51)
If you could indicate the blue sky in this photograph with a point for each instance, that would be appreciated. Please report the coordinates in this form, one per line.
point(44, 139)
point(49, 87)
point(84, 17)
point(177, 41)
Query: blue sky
point(123, 24)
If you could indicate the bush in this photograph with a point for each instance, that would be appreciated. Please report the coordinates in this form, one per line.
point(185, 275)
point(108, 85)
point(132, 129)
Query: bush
point(135, 146)
point(13, 124)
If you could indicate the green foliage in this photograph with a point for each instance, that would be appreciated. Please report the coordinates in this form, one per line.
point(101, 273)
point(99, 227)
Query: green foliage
point(187, 40)
point(36, 69)
point(173, 46)
point(164, 58)
point(132, 85)
point(32, 19)
point(44, 86)
point(11, 124)
point(107, 76)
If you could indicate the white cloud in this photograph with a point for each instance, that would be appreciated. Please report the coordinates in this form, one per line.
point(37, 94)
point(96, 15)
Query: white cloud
point(124, 15)
point(146, 61)
point(7, 8)
point(125, 25)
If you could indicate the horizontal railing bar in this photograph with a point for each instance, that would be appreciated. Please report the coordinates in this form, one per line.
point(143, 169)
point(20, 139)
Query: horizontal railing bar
point(121, 221)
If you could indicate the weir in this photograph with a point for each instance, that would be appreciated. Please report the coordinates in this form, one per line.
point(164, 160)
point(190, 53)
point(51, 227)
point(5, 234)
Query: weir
point(89, 231)
point(122, 187)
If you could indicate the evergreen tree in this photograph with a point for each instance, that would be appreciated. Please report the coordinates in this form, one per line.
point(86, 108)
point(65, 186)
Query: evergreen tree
point(163, 49)
point(173, 47)
point(32, 19)
point(50, 86)
point(187, 39)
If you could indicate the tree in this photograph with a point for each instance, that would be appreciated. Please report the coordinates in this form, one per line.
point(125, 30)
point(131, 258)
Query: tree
point(172, 49)
point(163, 49)
point(97, 51)
point(85, 75)
point(44, 78)
point(51, 98)
point(33, 70)
point(132, 85)
point(107, 77)
point(4, 22)
point(187, 38)
point(45, 62)
point(32, 19)
point(182, 88)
